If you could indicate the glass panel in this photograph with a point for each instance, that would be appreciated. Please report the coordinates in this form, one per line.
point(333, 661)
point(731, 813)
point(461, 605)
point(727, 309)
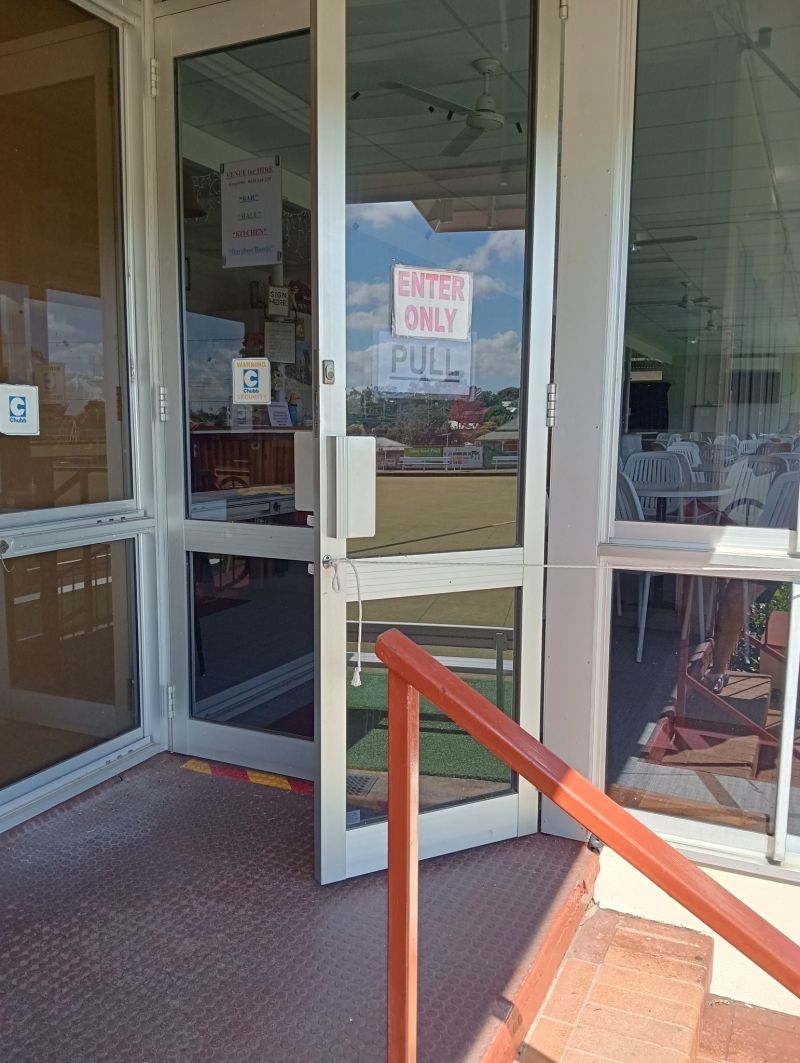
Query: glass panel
point(68, 675)
point(437, 173)
point(245, 185)
point(698, 667)
point(62, 317)
point(712, 340)
point(253, 643)
point(473, 634)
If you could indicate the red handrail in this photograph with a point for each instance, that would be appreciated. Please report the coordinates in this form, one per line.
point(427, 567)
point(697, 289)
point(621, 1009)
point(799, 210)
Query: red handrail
point(412, 672)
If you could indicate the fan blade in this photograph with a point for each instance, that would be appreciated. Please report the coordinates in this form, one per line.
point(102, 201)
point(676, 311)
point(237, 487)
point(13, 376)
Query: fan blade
point(426, 97)
point(459, 144)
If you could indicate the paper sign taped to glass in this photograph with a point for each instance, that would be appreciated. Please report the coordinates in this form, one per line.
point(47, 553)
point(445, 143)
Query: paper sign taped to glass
point(252, 212)
point(422, 367)
point(433, 304)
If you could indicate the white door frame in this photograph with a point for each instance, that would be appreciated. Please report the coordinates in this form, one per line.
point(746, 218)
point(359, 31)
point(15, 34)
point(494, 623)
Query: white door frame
point(362, 849)
point(586, 543)
point(341, 853)
point(131, 519)
point(187, 33)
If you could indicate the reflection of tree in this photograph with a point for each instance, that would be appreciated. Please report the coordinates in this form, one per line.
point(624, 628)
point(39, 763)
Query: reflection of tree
point(91, 421)
point(432, 420)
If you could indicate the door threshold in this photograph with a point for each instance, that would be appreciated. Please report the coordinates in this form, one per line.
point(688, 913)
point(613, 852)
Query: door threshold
point(77, 782)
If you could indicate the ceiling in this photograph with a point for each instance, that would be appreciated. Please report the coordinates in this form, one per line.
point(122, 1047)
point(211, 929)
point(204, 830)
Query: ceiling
point(715, 198)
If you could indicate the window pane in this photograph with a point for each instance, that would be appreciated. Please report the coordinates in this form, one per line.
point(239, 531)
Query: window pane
point(69, 677)
point(712, 336)
point(253, 643)
point(473, 634)
point(244, 121)
point(62, 318)
point(437, 175)
point(694, 725)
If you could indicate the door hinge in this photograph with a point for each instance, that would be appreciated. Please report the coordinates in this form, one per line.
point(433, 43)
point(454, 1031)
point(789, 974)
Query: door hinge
point(550, 412)
point(163, 403)
point(154, 76)
point(563, 10)
point(170, 702)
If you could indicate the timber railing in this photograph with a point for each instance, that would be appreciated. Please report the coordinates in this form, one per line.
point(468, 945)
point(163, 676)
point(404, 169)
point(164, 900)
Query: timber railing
point(412, 671)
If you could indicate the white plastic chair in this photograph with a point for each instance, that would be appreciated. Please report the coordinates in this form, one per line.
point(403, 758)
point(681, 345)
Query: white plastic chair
point(747, 446)
point(749, 479)
point(719, 454)
point(630, 508)
point(658, 467)
point(729, 440)
point(780, 505)
point(691, 451)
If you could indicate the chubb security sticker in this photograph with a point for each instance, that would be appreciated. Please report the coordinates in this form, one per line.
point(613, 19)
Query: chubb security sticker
point(19, 410)
point(252, 381)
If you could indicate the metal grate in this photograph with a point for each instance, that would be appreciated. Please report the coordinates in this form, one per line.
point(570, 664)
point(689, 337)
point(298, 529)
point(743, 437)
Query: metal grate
point(358, 785)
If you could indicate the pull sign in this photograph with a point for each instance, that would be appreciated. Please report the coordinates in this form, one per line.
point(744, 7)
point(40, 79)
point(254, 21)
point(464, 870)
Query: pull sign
point(19, 410)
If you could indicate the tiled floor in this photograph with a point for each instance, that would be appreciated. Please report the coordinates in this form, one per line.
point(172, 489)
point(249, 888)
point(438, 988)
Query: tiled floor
point(171, 916)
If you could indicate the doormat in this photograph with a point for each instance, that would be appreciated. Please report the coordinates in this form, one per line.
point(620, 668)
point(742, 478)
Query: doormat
point(260, 778)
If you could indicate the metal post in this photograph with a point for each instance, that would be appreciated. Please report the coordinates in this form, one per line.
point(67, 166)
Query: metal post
point(403, 878)
point(500, 679)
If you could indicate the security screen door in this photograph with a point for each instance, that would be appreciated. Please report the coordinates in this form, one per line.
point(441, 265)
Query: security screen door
point(280, 248)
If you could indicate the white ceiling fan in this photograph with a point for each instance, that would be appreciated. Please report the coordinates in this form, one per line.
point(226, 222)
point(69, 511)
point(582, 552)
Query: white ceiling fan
point(482, 118)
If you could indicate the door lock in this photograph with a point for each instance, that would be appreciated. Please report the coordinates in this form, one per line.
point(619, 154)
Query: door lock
point(328, 371)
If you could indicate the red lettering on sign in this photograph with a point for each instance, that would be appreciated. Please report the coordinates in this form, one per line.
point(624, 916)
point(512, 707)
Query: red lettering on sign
point(458, 288)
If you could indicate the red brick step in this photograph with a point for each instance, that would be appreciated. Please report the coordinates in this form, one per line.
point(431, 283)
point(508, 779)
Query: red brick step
point(628, 990)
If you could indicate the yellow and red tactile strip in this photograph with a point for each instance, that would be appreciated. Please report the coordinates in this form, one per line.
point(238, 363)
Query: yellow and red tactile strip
point(260, 778)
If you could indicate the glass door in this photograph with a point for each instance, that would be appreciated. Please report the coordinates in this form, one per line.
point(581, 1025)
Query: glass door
point(297, 287)
point(76, 542)
point(447, 252)
point(236, 211)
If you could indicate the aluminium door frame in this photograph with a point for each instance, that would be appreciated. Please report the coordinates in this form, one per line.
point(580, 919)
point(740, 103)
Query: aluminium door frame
point(188, 32)
point(131, 519)
point(510, 815)
point(586, 543)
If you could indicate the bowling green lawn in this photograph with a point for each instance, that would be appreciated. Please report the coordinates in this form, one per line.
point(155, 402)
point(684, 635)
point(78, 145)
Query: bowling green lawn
point(444, 511)
point(427, 514)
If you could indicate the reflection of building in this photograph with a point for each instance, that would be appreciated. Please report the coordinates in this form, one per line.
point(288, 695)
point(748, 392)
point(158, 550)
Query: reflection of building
point(501, 444)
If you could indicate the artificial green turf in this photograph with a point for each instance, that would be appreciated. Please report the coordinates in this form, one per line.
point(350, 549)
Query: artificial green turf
point(445, 750)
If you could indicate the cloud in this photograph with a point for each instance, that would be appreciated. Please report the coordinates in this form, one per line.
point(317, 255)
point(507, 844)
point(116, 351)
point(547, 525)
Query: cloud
point(498, 360)
point(371, 303)
point(366, 293)
point(381, 215)
point(484, 285)
point(505, 245)
point(361, 367)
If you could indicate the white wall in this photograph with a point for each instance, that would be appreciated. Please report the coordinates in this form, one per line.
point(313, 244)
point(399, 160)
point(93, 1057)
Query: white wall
point(621, 888)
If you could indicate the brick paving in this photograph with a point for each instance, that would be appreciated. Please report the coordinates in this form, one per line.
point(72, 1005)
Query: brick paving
point(736, 1033)
point(171, 916)
point(632, 991)
point(628, 991)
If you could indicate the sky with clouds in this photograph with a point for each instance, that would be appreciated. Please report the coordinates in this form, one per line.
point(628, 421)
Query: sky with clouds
point(380, 234)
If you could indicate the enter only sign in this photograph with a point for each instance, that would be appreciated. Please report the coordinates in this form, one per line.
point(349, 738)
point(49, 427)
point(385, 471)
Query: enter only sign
point(433, 304)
